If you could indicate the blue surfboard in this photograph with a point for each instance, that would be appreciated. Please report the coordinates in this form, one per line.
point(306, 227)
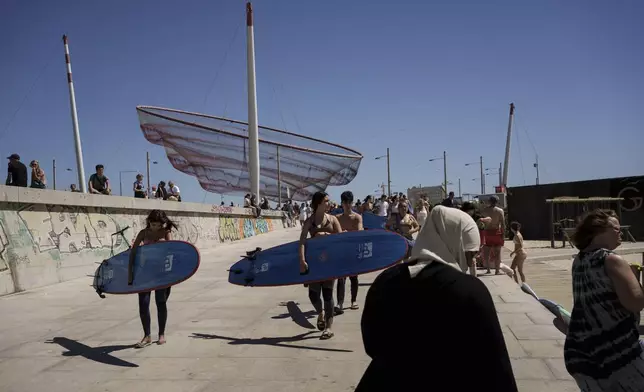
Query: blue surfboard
point(156, 266)
point(371, 221)
point(329, 257)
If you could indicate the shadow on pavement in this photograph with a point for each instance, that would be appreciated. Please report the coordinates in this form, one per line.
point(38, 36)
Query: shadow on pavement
point(275, 341)
point(295, 313)
point(96, 354)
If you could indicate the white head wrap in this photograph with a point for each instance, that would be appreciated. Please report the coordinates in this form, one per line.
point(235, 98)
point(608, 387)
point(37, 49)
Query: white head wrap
point(446, 235)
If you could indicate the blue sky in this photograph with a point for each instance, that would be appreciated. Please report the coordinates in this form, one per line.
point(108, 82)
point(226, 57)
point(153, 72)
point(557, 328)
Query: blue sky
point(417, 77)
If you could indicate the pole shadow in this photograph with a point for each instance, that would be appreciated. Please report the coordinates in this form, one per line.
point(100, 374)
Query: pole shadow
point(295, 313)
point(274, 341)
point(97, 354)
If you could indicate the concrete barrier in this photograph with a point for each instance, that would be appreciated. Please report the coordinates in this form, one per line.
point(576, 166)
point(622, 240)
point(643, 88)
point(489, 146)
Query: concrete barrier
point(49, 236)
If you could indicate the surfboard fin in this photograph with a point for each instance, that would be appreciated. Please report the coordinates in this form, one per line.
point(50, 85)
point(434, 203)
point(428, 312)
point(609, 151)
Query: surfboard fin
point(252, 254)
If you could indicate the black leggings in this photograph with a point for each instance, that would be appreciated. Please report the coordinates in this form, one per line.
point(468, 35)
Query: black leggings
point(342, 283)
point(160, 297)
point(327, 295)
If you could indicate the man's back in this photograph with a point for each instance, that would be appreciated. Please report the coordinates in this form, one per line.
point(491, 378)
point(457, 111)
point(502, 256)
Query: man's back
point(18, 173)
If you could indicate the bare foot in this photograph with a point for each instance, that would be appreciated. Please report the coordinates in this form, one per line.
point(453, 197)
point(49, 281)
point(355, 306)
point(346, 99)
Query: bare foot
point(161, 340)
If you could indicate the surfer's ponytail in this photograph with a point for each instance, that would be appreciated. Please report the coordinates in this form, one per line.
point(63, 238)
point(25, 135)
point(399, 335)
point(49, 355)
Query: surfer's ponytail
point(160, 216)
point(318, 198)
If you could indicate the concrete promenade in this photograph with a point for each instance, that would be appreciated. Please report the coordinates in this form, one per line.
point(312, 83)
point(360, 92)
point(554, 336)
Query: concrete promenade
point(226, 338)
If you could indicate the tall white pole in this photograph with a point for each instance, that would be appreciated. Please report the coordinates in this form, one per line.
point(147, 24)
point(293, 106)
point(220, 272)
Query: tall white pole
point(506, 164)
point(77, 140)
point(279, 179)
point(253, 134)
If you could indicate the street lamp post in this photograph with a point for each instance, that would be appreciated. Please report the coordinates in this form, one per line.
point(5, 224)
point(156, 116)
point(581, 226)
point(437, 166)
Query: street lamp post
point(121, 179)
point(444, 158)
point(536, 166)
point(147, 164)
point(388, 171)
point(480, 162)
point(54, 174)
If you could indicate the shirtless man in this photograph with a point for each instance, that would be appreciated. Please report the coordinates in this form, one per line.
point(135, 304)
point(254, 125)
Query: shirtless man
point(494, 234)
point(349, 221)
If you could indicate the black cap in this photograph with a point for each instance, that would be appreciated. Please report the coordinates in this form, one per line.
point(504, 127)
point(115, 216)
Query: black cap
point(14, 156)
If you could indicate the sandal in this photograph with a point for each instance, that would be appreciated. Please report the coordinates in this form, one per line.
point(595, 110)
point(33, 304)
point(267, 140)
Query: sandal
point(321, 324)
point(354, 306)
point(146, 341)
point(327, 335)
point(161, 340)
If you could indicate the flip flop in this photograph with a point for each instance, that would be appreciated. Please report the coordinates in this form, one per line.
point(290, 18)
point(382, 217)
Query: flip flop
point(142, 344)
point(326, 335)
point(321, 324)
point(355, 306)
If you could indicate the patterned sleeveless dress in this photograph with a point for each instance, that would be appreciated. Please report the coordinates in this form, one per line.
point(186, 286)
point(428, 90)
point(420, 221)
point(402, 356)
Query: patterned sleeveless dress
point(602, 350)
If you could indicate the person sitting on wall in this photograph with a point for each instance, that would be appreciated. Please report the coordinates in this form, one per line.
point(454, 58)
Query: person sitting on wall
point(162, 192)
point(99, 183)
point(139, 188)
point(175, 193)
point(38, 178)
point(17, 172)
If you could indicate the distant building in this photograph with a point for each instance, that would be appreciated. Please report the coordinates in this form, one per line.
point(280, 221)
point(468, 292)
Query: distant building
point(434, 194)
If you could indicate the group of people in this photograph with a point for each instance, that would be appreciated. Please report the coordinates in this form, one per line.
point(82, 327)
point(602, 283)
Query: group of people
point(418, 315)
point(17, 173)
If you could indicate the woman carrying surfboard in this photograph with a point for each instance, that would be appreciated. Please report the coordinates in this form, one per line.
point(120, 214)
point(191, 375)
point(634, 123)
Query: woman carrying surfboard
point(158, 228)
point(320, 223)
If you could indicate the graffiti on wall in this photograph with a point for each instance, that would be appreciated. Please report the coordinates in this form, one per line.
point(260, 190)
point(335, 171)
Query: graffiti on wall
point(4, 243)
point(69, 229)
point(233, 229)
point(72, 229)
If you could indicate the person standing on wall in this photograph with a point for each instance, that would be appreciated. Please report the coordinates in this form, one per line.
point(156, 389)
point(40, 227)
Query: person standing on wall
point(17, 172)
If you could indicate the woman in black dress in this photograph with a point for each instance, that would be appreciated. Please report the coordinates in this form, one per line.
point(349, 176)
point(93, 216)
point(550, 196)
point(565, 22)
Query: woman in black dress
point(427, 325)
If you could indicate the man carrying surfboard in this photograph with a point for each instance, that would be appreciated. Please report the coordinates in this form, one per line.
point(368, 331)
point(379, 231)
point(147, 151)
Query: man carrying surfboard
point(320, 223)
point(349, 221)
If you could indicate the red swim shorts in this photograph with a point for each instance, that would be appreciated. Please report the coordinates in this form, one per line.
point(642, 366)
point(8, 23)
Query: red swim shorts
point(493, 237)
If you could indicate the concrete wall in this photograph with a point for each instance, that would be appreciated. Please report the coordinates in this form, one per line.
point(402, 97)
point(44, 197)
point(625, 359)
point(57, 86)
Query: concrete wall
point(48, 236)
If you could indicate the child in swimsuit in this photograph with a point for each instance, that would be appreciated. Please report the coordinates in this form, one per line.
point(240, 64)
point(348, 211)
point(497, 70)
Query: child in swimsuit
point(158, 228)
point(518, 253)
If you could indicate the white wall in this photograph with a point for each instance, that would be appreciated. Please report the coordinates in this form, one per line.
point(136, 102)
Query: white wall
point(49, 236)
